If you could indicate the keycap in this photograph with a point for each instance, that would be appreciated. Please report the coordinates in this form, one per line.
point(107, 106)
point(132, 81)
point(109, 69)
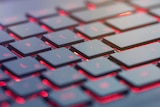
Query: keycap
point(102, 12)
point(5, 38)
point(38, 102)
point(62, 38)
point(3, 76)
point(99, 2)
point(134, 38)
point(59, 22)
point(91, 49)
point(145, 99)
point(137, 56)
point(9, 20)
point(27, 87)
point(58, 57)
point(6, 55)
point(29, 46)
point(23, 67)
point(94, 30)
point(26, 30)
point(69, 97)
point(142, 76)
point(155, 11)
point(42, 13)
point(105, 87)
point(146, 4)
point(3, 96)
point(64, 76)
point(71, 6)
point(98, 66)
point(131, 21)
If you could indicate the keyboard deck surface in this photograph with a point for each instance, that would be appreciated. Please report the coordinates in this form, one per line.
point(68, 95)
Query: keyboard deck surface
point(79, 53)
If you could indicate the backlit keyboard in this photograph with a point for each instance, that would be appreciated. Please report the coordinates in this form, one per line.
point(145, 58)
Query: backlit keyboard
point(79, 53)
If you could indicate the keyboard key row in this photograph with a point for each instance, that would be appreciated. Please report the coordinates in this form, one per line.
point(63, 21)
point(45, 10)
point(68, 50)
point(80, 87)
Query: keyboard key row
point(97, 14)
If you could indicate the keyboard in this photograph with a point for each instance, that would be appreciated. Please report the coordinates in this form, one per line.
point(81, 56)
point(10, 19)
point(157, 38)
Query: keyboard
point(79, 53)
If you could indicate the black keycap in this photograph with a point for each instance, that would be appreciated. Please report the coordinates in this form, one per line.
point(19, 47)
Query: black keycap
point(29, 46)
point(102, 12)
point(98, 67)
point(12, 20)
point(142, 76)
point(3, 96)
point(64, 76)
point(146, 4)
point(6, 55)
point(27, 87)
point(42, 13)
point(24, 66)
point(38, 102)
point(3, 76)
point(131, 21)
point(137, 56)
point(145, 99)
point(92, 48)
point(62, 38)
point(99, 2)
point(134, 38)
point(58, 57)
point(5, 38)
point(155, 11)
point(73, 5)
point(69, 97)
point(105, 87)
point(94, 30)
point(26, 30)
point(59, 22)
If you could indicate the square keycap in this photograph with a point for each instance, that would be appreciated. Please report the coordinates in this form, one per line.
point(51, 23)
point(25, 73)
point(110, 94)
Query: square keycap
point(98, 66)
point(58, 57)
point(62, 38)
point(29, 46)
point(90, 49)
point(26, 30)
point(94, 30)
point(24, 66)
point(59, 22)
point(64, 76)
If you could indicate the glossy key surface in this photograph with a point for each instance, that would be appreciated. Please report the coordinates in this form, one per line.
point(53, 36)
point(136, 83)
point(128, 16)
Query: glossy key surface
point(42, 13)
point(68, 97)
point(138, 55)
point(134, 38)
point(60, 57)
point(27, 87)
point(9, 20)
point(92, 48)
point(142, 76)
point(5, 38)
point(29, 46)
point(23, 67)
point(98, 66)
point(131, 21)
point(62, 38)
point(59, 22)
point(6, 55)
point(102, 12)
point(94, 30)
point(105, 86)
point(26, 30)
point(146, 3)
point(69, 75)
